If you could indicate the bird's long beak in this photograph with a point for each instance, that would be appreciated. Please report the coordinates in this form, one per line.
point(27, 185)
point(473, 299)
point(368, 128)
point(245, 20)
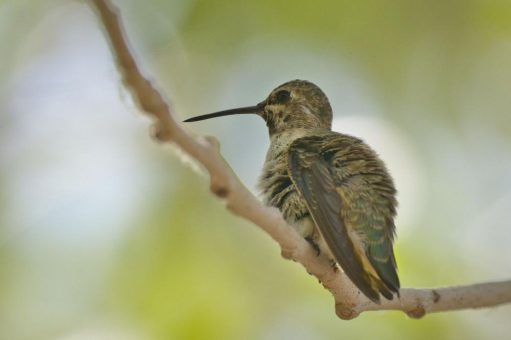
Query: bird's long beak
point(241, 110)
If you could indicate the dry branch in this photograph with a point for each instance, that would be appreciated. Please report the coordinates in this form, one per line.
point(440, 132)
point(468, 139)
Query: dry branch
point(349, 302)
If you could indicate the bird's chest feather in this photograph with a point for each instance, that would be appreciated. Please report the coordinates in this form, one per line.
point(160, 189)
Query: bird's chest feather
point(275, 184)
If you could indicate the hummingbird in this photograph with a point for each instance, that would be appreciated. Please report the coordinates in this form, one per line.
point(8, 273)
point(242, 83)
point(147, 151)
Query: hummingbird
point(331, 187)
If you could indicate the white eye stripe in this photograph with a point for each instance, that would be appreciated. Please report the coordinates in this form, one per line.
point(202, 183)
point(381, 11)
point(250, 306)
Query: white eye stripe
point(305, 109)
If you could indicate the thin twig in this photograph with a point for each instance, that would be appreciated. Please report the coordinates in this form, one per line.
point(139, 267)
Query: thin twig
point(349, 302)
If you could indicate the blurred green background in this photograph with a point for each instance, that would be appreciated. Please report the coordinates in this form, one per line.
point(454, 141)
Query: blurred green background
point(105, 234)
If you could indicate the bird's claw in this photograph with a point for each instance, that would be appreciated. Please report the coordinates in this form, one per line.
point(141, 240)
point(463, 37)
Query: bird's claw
point(313, 244)
point(334, 265)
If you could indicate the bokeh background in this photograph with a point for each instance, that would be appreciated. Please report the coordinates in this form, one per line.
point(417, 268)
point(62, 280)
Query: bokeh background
point(105, 234)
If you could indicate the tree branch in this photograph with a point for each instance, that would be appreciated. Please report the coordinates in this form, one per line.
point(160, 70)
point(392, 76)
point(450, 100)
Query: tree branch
point(349, 302)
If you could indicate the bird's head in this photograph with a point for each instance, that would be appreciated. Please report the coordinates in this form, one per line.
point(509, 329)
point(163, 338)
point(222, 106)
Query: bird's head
point(297, 104)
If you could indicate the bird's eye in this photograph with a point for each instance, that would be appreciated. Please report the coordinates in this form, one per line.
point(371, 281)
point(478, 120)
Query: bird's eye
point(282, 96)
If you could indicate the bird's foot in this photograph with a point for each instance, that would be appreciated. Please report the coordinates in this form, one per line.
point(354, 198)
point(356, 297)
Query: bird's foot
point(313, 244)
point(334, 265)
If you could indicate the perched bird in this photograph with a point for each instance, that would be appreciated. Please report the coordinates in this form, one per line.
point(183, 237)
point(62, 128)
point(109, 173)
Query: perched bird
point(333, 188)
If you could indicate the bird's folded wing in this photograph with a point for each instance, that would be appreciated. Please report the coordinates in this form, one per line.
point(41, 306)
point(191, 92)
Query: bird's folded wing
point(310, 173)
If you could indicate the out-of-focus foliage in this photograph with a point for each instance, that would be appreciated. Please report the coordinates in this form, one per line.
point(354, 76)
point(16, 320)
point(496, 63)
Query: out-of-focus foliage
point(107, 235)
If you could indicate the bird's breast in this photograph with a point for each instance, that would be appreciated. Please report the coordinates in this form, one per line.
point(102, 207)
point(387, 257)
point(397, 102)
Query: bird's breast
point(275, 184)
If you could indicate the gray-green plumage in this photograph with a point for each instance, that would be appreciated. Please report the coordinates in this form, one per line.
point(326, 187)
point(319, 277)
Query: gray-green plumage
point(351, 201)
point(331, 187)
